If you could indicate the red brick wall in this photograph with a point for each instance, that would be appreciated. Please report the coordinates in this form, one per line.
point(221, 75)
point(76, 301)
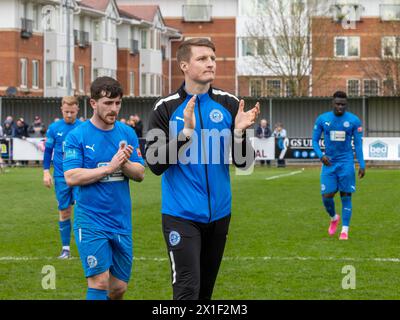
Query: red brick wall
point(125, 64)
point(222, 33)
point(83, 57)
point(336, 71)
point(12, 49)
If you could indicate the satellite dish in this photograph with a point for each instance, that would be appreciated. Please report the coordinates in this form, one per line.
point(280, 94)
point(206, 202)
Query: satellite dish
point(11, 91)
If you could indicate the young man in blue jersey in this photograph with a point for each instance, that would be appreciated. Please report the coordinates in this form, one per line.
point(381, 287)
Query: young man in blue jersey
point(101, 156)
point(338, 172)
point(55, 138)
point(196, 195)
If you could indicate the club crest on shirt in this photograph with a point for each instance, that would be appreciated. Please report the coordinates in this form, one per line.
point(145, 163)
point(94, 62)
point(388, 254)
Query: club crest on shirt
point(91, 261)
point(216, 116)
point(346, 124)
point(174, 238)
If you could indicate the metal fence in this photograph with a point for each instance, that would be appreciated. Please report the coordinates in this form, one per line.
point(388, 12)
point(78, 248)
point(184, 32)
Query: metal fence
point(380, 115)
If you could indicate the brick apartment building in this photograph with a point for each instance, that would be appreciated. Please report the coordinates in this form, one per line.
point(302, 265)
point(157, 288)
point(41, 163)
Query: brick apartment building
point(136, 41)
point(128, 43)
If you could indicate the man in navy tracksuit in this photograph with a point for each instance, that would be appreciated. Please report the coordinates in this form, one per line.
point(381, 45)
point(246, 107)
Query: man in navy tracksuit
point(190, 134)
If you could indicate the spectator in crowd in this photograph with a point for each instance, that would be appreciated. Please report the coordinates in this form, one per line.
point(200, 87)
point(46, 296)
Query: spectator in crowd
point(131, 122)
point(123, 120)
point(56, 119)
point(10, 119)
point(138, 125)
point(37, 129)
point(280, 134)
point(264, 131)
point(21, 130)
point(8, 129)
point(1, 132)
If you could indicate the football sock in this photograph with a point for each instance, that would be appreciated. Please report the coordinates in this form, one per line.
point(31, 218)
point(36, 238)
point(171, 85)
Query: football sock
point(345, 229)
point(96, 294)
point(346, 210)
point(65, 232)
point(329, 204)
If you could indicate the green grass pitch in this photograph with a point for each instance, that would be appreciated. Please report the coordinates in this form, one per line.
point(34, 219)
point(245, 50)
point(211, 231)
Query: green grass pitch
point(278, 246)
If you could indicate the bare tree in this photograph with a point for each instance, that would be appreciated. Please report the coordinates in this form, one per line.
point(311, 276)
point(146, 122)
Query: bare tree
point(283, 35)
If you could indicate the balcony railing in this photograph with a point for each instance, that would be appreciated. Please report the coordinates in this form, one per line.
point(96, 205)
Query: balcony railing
point(134, 47)
point(26, 28)
point(196, 13)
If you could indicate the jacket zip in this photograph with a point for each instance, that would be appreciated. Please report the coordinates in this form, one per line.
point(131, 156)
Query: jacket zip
point(205, 164)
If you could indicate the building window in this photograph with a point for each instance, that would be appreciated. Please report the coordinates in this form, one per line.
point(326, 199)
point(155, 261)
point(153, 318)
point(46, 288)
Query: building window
point(35, 74)
point(143, 84)
point(253, 8)
point(255, 87)
point(143, 38)
point(390, 12)
point(197, 10)
point(152, 79)
point(24, 73)
point(253, 47)
point(371, 87)
point(389, 88)
point(347, 47)
point(291, 87)
point(158, 40)
point(353, 88)
point(273, 88)
point(131, 83)
point(97, 30)
point(81, 71)
point(158, 85)
point(390, 47)
point(61, 74)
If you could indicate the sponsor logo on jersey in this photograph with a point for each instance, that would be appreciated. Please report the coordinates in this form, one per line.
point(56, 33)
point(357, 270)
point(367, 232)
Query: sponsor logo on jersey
point(174, 238)
point(91, 261)
point(60, 134)
point(116, 176)
point(216, 116)
point(90, 147)
point(378, 149)
point(139, 153)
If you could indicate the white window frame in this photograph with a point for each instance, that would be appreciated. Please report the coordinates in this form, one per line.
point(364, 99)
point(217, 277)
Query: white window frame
point(383, 85)
point(250, 86)
point(359, 87)
point(377, 86)
point(132, 84)
point(23, 62)
point(346, 47)
point(152, 84)
point(143, 84)
point(35, 74)
point(144, 41)
point(396, 46)
point(266, 88)
point(81, 78)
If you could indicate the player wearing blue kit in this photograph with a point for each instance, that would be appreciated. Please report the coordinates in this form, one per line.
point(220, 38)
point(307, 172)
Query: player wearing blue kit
point(338, 172)
point(65, 195)
point(101, 156)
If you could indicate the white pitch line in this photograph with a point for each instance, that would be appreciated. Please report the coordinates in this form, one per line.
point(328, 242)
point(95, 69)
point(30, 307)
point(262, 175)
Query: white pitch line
point(285, 175)
point(265, 258)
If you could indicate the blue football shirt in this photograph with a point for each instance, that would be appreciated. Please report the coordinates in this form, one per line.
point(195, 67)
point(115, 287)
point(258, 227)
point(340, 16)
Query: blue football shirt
point(339, 132)
point(106, 204)
point(55, 138)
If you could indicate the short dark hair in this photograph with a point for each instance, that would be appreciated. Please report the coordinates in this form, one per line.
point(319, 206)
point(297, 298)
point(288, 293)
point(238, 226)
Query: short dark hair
point(340, 94)
point(185, 48)
point(105, 87)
